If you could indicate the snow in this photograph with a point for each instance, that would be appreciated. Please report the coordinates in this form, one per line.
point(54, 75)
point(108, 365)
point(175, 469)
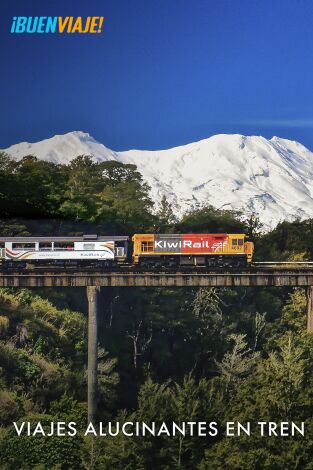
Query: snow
point(273, 178)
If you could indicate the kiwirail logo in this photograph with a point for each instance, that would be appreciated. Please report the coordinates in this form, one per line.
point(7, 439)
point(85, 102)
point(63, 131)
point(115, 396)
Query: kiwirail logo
point(57, 24)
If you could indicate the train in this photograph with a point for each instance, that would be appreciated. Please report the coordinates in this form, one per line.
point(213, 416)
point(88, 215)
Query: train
point(146, 250)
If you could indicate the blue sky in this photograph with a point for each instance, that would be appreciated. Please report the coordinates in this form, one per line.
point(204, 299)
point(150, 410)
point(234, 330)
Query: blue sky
point(162, 73)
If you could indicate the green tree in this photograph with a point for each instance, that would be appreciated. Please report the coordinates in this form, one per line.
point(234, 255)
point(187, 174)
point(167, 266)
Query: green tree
point(165, 217)
point(125, 206)
point(7, 184)
point(236, 363)
point(30, 451)
point(39, 187)
point(82, 185)
point(210, 220)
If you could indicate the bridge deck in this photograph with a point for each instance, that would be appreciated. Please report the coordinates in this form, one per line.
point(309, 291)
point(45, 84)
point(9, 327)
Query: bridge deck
point(278, 276)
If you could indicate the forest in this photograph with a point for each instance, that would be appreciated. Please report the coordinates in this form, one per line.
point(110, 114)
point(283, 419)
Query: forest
point(183, 354)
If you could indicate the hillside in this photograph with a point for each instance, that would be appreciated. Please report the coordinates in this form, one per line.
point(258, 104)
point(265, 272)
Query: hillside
point(272, 178)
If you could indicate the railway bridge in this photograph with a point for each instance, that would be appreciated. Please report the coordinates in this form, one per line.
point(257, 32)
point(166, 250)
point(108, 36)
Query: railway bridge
point(266, 274)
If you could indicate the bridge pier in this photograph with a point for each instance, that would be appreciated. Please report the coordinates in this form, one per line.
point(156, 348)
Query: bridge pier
point(309, 316)
point(93, 300)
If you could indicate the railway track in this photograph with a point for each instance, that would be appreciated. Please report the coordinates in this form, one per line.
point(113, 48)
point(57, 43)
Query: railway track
point(259, 267)
point(282, 265)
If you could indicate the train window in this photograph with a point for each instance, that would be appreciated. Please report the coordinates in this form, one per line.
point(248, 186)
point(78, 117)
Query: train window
point(240, 242)
point(234, 242)
point(2, 245)
point(63, 246)
point(88, 246)
point(22, 246)
point(45, 246)
point(146, 246)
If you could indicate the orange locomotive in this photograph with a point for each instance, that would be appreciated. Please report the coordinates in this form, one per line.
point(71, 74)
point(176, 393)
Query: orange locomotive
point(209, 249)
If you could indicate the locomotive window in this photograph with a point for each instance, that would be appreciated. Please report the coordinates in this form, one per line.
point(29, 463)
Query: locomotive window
point(45, 246)
point(240, 242)
point(234, 242)
point(89, 246)
point(146, 246)
point(18, 246)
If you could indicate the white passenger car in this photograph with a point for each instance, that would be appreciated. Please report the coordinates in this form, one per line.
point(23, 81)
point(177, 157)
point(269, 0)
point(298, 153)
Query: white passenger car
point(86, 249)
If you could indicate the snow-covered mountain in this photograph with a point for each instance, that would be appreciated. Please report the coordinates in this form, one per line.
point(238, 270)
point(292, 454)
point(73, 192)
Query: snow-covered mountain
point(273, 178)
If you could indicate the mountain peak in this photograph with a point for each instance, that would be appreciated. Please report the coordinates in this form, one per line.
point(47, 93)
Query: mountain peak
point(270, 177)
point(77, 134)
